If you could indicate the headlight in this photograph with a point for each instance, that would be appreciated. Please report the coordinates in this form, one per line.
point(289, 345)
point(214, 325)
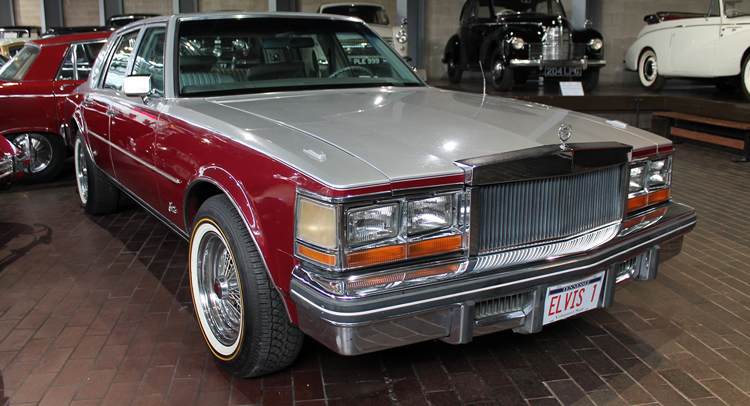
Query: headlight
point(596, 44)
point(660, 173)
point(517, 43)
point(649, 183)
point(372, 224)
point(402, 36)
point(430, 214)
point(637, 179)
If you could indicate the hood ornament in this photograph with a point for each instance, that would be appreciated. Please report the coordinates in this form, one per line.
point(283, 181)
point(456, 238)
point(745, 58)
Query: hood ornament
point(564, 134)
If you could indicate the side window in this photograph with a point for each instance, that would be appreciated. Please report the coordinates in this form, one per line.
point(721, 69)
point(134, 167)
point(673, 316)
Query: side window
point(67, 71)
point(150, 58)
point(85, 57)
point(118, 65)
point(466, 13)
point(483, 10)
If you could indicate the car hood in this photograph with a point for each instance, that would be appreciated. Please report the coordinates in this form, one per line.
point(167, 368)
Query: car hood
point(410, 133)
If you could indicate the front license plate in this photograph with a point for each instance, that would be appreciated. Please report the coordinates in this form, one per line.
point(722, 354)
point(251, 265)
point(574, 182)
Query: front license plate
point(571, 298)
point(562, 71)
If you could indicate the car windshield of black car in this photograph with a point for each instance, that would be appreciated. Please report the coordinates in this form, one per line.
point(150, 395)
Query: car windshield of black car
point(230, 56)
point(551, 7)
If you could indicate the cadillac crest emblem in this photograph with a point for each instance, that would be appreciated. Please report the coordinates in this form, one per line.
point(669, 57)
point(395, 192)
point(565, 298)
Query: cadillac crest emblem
point(564, 134)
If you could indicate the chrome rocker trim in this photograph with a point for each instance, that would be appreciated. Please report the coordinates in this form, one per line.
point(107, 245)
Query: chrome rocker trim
point(351, 326)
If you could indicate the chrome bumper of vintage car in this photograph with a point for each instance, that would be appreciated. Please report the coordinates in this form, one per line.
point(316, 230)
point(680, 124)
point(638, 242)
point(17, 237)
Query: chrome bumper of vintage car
point(535, 63)
point(481, 301)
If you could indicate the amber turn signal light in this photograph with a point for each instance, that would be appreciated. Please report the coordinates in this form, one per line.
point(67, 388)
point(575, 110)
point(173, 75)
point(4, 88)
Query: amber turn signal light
point(641, 201)
point(376, 256)
point(317, 256)
point(434, 246)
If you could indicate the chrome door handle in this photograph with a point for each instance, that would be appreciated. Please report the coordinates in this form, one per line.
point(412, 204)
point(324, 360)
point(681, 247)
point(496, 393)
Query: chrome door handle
point(113, 113)
point(67, 85)
point(87, 103)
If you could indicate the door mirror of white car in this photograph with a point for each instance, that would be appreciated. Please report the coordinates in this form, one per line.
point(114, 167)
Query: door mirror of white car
point(139, 85)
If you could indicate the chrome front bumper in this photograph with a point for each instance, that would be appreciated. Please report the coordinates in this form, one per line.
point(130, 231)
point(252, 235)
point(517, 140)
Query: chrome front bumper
point(538, 63)
point(446, 310)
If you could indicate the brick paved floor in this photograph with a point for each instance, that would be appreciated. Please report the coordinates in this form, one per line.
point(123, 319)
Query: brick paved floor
point(95, 310)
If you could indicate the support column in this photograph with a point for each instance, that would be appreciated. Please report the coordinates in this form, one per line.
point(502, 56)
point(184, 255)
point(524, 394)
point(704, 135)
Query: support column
point(415, 27)
point(184, 6)
point(108, 8)
point(282, 5)
point(7, 13)
point(51, 13)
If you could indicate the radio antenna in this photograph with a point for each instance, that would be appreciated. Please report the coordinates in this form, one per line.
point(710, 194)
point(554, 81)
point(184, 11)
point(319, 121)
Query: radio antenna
point(484, 81)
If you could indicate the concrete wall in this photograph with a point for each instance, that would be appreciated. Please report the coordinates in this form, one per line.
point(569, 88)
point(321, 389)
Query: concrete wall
point(80, 12)
point(146, 6)
point(27, 12)
point(241, 5)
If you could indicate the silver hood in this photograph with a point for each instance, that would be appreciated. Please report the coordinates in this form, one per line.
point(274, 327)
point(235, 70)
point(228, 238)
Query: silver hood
point(399, 134)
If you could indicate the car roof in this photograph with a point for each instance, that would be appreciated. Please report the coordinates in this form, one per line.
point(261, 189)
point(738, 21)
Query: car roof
point(241, 14)
point(68, 38)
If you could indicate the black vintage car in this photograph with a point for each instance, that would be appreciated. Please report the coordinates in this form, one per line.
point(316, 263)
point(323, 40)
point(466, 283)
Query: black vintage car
point(513, 39)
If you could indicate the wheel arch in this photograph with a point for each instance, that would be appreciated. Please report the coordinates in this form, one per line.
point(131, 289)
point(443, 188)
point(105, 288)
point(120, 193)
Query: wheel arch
point(451, 48)
point(215, 181)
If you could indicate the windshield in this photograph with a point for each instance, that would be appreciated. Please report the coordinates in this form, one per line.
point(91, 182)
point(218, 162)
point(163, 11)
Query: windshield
point(368, 14)
point(528, 6)
point(736, 8)
point(16, 68)
point(234, 56)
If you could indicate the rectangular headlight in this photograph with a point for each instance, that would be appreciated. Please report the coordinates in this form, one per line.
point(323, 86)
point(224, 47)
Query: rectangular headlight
point(316, 223)
point(637, 179)
point(429, 214)
point(372, 224)
point(660, 172)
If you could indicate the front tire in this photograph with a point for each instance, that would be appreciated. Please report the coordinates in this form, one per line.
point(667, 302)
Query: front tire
point(241, 315)
point(454, 72)
point(590, 79)
point(745, 75)
point(648, 72)
point(502, 75)
point(47, 153)
point(97, 193)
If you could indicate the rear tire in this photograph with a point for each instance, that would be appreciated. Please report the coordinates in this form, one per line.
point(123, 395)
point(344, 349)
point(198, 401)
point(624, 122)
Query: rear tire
point(240, 313)
point(648, 72)
point(727, 84)
point(97, 193)
point(454, 72)
point(47, 154)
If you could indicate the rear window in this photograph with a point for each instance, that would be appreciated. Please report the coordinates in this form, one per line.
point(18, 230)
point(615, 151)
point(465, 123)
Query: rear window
point(16, 68)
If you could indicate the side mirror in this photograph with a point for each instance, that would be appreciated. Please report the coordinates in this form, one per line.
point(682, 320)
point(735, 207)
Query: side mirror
point(588, 23)
point(139, 85)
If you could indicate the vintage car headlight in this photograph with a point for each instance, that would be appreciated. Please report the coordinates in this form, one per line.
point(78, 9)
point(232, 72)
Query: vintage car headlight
point(517, 43)
point(349, 235)
point(372, 224)
point(430, 214)
point(649, 182)
point(402, 36)
point(596, 44)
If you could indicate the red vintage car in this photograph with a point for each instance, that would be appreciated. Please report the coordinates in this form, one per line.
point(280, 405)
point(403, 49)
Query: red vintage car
point(33, 88)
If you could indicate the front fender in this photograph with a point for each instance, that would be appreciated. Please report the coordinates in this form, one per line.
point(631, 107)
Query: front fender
point(452, 47)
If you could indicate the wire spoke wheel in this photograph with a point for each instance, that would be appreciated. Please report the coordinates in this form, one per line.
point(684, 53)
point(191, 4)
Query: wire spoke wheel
point(39, 150)
point(219, 289)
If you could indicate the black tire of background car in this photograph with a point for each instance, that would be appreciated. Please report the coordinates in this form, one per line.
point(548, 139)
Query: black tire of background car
point(745, 77)
point(648, 57)
point(505, 80)
point(454, 72)
point(270, 342)
point(56, 162)
point(103, 195)
point(727, 84)
point(589, 79)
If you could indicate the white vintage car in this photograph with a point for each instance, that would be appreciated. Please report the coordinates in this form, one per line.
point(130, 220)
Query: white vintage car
point(714, 44)
point(377, 18)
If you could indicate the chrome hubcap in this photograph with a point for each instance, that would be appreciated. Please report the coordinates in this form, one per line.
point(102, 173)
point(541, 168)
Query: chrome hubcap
point(82, 172)
point(38, 148)
point(498, 69)
point(219, 289)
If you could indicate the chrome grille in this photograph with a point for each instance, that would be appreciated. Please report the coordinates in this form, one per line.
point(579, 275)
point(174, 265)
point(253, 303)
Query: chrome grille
point(557, 46)
point(502, 305)
point(543, 210)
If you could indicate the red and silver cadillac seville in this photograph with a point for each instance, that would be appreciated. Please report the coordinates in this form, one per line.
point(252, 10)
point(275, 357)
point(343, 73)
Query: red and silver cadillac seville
point(327, 191)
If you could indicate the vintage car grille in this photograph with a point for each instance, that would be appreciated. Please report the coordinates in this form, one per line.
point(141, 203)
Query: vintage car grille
point(517, 214)
point(502, 305)
point(557, 46)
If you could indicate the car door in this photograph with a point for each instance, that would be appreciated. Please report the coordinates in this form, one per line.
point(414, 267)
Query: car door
point(133, 121)
point(475, 29)
point(73, 71)
point(693, 43)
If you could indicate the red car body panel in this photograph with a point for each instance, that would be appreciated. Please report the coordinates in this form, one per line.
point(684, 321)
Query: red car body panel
point(37, 103)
